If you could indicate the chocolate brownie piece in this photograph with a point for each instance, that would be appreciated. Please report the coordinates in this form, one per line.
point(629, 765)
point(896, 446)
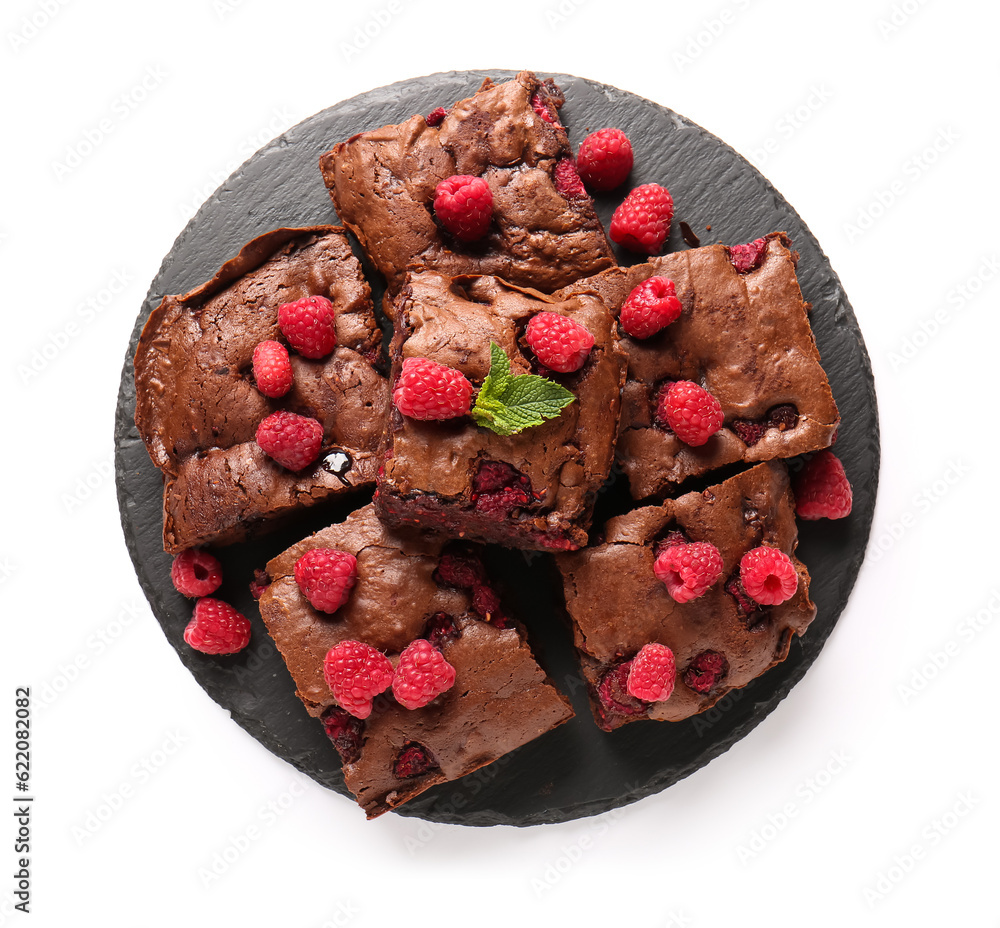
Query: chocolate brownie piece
point(533, 489)
point(408, 587)
point(545, 232)
point(744, 336)
point(721, 640)
point(197, 408)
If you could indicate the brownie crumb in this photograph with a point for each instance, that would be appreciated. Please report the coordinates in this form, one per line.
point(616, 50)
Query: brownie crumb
point(687, 233)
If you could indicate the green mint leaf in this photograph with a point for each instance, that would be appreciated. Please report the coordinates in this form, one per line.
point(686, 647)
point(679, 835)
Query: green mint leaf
point(509, 404)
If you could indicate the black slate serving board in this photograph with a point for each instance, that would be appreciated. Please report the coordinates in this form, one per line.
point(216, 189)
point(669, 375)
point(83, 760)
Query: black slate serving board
point(576, 770)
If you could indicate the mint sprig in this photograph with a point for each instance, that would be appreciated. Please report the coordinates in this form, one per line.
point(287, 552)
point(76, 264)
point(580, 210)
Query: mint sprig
point(508, 403)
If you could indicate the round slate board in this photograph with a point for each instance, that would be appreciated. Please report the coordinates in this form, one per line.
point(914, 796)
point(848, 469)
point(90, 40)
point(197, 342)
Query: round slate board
point(576, 770)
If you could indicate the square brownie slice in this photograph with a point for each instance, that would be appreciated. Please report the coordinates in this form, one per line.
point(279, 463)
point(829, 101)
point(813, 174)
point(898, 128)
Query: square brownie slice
point(533, 489)
point(744, 336)
point(721, 640)
point(545, 232)
point(198, 408)
point(410, 587)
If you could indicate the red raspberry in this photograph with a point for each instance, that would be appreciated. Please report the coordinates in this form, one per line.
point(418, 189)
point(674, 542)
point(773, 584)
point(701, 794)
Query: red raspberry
point(293, 441)
point(604, 159)
point(544, 107)
point(689, 570)
point(196, 573)
point(821, 488)
point(356, 673)
point(705, 671)
point(344, 730)
point(768, 576)
point(652, 674)
point(309, 325)
point(464, 205)
point(421, 674)
point(746, 258)
point(326, 577)
point(642, 222)
point(693, 413)
point(560, 343)
point(217, 628)
point(436, 116)
point(271, 369)
point(428, 390)
point(567, 180)
point(413, 761)
point(650, 307)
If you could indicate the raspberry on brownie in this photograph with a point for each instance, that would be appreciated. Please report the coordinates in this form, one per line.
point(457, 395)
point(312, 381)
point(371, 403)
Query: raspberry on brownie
point(414, 595)
point(199, 408)
point(721, 639)
point(532, 489)
point(544, 232)
point(743, 335)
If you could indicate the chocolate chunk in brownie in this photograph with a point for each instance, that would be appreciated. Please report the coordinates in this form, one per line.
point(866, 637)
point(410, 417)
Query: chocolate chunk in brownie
point(411, 586)
point(744, 336)
point(545, 232)
point(197, 407)
point(533, 489)
point(721, 640)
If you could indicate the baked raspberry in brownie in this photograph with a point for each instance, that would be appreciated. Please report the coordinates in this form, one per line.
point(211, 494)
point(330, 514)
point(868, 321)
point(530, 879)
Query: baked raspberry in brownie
point(544, 233)
point(412, 587)
point(720, 640)
point(533, 489)
point(744, 336)
point(198, 407)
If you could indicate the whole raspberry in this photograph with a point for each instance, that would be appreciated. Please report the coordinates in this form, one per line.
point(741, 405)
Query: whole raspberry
point(748, 257)
point(604, 159)
point(693, 413)
point(422, 673)
point(291, 440)
point(642, 222)
point(310, 325)
point(356, 673)
point(768, 576)
point(560, 343)
point(464, 205)
point(326, 577)
point(217, 628)
point(821, 488)
point(652, 674)
point(428, 390)
point(271, 369)
point(689, 570)
point(196, 573)
point(650, 306)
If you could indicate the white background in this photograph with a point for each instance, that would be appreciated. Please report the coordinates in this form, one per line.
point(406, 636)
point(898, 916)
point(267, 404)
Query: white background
point(868, 798)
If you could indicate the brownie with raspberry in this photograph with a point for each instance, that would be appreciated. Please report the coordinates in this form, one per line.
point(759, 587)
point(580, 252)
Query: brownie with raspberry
point(532, 489)
point(544, 231)
point(721, 639)
point(743, 335)
point(412, 587)
point(198, 407)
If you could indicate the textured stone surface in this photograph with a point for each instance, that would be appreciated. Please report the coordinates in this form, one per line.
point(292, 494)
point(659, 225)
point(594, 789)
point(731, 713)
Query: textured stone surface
point(576, 770)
